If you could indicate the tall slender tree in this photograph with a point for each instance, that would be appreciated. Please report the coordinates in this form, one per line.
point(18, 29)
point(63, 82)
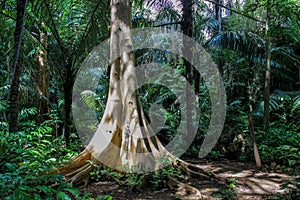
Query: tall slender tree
point(14, 92)
point(267, 76)
point(42, 76)
point(187, 29)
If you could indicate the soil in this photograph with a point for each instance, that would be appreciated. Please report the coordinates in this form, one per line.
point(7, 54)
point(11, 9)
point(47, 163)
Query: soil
point(248, 183)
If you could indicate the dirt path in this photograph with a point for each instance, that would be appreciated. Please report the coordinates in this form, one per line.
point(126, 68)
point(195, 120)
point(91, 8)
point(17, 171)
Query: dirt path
point(247, 183)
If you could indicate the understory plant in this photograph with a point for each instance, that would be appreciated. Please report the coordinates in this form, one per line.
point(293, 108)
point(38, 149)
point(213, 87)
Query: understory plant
point(27, 157)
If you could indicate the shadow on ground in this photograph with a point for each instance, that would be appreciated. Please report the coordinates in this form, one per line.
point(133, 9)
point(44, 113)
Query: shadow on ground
point(247, 183)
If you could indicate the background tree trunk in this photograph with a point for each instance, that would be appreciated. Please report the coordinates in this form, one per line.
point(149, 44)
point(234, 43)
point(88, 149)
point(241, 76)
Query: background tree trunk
point(14, 92)
point(218, 11)
point(42, 77)
point(187, 28)
point(253, 139)
point(68, 93)
point(267, 79)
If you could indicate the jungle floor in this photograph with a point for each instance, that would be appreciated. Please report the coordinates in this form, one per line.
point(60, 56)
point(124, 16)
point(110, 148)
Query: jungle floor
point(248, 183)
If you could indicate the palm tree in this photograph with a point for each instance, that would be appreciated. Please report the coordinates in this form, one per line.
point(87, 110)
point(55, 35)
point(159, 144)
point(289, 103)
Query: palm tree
point(69, 42)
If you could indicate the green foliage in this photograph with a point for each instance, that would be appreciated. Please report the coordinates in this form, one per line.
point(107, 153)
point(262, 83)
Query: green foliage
point(216, 155)
point(105, 197)
point(26, 157)
point(285, 108)
point(126, 178)
point(282, 144)
point(74, 27)
point(156, 94)
point(157, 179)
point(280, 147)
point(228, 193)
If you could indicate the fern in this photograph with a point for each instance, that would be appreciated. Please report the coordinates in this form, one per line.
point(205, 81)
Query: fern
point(27, 113)
point(90, 99)
point(285, 106)
point(296, 103)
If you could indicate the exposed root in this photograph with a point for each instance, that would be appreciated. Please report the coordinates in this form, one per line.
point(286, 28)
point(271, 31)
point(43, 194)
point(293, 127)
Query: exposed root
point(76, 163)
point(82, 176)
point(194, 170)
point(78, 170)
point(189, 168)
point(84, 167)
point(184, 189)
point(186, 168)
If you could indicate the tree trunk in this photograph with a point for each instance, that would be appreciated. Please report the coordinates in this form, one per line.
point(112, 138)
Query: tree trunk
point(253, 139)
point(186, 27)
point(267, 80)
point(14, 92)
point(196, 78)
point(42, 77)
point(123, 141)
point(218, 11)
point(68, 92)
point(229, 5)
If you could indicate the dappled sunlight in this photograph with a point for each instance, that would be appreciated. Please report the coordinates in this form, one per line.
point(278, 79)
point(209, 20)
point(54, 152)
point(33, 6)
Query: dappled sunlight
point(250, 183)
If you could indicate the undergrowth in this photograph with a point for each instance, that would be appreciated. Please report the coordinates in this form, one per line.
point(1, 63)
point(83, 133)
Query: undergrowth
point(156, 180)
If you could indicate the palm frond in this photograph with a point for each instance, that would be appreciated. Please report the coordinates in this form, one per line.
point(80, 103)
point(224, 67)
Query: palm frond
point(248, 45)
point(165, 11)
point(288, 53)
point(296, 103)
point(253, 47)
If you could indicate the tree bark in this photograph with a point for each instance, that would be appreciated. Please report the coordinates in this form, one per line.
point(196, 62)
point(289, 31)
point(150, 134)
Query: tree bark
point(253, 139)
point(14, 92)
point(267, 79)
point(42, 77)
point(123, 139)
point(218, 11)
point(68, 92)
point(186, 27)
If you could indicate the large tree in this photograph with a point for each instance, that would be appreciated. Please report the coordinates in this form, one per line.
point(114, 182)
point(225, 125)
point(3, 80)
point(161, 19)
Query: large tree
point(123, 140)
point(123, 116)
